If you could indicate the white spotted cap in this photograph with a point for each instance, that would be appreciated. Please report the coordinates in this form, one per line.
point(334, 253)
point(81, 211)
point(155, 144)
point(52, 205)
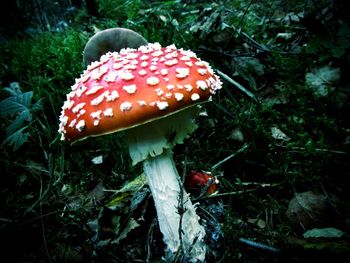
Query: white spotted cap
point(132, 87)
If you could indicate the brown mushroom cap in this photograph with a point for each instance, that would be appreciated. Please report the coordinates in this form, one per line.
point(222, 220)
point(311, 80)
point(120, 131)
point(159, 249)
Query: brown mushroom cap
point(110, 40)
point(133, 87)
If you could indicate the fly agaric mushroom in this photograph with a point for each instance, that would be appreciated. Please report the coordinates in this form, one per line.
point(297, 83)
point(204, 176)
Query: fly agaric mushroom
point(109, 40)
point(153, 93)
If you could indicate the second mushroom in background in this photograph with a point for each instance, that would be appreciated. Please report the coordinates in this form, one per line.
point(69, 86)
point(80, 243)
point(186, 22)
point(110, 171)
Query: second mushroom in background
point(111, 40)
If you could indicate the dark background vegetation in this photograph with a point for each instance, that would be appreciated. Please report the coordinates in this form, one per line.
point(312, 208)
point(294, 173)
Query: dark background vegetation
point(277, 135)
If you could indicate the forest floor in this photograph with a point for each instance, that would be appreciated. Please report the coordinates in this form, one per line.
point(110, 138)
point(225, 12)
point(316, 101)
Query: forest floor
point(277, 135)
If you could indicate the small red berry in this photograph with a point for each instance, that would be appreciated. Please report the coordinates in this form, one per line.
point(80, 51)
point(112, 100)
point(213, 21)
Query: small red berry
point(198, 180)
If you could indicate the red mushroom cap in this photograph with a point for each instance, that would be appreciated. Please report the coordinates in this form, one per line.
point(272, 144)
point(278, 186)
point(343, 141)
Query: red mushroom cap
point(131, 87)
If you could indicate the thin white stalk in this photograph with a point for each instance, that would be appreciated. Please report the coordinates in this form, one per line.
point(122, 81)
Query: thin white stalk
point(164, 183)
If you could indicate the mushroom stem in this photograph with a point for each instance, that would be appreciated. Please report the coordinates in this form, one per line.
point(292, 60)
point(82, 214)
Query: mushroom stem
point(165, 183)
point(151, 144)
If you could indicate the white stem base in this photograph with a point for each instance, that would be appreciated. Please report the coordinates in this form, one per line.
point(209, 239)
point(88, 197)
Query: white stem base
point(164, 183)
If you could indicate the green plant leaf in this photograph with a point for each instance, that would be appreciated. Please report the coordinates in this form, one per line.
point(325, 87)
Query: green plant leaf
point(15, 104)
point(132, 224)
point(14, 89)
point(249, 68)
point(329, 232)
point(19, 121)
point(322, 79)
point(16, 139)
point(26, 98)
point(10, 106)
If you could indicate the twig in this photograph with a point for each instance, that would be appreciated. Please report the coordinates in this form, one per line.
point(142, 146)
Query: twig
point(319, 150)
point(41, 216)
point(245, 13)
point(181, 210)
point(259, 245)
point(227, 194)
point(42, 222)
point(252, 41)
point(329, 199)
point(244, 147)
point(5, 220)
point(149, 239)
point(239, 86)
point(236, 192)
point(226, 53)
